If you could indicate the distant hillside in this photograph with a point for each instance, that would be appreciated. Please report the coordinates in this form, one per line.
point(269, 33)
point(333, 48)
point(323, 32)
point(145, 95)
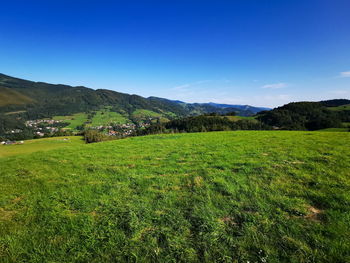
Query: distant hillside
point(249, 108)
point(22, 100)
point(335, 103)
point(47, 99)
point(194, 109)
point(34, 100)
point(9, 96)
point(308, 115)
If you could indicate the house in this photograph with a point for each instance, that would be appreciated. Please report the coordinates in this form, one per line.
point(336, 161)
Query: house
point(9, 142)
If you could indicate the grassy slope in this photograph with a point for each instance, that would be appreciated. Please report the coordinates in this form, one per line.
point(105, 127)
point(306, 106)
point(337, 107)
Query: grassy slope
point(106, 117)
point(8, 96)
point(238, 118)
point(335, 130)
point(340, 108)
point(44, 144)
point(73, 120)
point(140, 114)
point(279, 196)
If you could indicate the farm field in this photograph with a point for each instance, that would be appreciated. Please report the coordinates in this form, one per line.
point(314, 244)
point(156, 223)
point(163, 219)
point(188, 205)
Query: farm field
point(141, 114)
point(106, 117)
point(340, 108)
point(335, 130)
point(74, 120)
point(242, 196)
point(238, 118)
point(36, 145)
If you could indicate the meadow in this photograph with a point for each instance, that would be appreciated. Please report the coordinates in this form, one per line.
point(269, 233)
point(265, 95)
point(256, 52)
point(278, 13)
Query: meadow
point(240, 196)
point(107, 117)
point(36, 145)
point(74, 120)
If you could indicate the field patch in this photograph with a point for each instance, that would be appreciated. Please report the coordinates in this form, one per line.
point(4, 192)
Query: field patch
point(9, 96)
point(107, 117)
point(141, 114)
point(340, 108)
point(44, 144)
point(74, 120)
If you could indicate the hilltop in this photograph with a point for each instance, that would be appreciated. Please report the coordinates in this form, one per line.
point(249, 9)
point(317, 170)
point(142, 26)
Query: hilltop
point(245, 196)
point(309, 115)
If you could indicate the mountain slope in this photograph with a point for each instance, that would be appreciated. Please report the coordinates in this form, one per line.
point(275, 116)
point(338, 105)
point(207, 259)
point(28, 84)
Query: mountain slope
point(308, 115)
point(12, 97)
point(53, 99)
point(252, 109)
point(202, 108)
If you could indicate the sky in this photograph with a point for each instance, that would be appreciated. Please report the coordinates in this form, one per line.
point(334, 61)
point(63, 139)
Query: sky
point(256, 52)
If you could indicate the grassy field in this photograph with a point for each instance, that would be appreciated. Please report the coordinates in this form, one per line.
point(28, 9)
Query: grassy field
point(141, 114)
point(9, 96)
point(238, 118)
point(340, 108)
point(106, 117)
point(44, 144)
point(245, 196)
point(73, 120)
point(335, 130)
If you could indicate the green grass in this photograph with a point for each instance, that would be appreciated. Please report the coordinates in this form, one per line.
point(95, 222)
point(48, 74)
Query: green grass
point(106, 117)
point(335, 130)
point(340, 108)
point(15, 112)
point(257, 196)
point(238, 118)
point(9, 96)
point(36, 145)
point(73, 120)
point(141, 114)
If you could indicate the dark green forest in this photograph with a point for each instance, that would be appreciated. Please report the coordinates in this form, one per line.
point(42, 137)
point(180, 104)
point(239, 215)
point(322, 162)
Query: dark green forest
point(306, 115)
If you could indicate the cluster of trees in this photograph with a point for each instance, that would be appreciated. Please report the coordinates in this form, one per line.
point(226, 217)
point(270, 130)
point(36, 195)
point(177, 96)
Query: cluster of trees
point(304, 116)
point(28, 133)
point(230, 113)
point(91, 136)
point(202, 123)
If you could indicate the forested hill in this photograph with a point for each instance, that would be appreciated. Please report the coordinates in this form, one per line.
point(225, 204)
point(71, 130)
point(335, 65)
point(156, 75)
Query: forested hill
point(39, 99)
point(309, 115)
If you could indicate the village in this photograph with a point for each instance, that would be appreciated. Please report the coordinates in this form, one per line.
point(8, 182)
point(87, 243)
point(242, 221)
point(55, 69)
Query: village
point(43, 127)
point(49, 127)
point(121, 130)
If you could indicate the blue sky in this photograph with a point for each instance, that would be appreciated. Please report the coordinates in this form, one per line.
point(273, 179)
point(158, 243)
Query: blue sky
point(258, 52)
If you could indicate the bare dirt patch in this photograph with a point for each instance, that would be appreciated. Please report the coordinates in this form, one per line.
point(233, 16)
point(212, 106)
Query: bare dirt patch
point(314, 214)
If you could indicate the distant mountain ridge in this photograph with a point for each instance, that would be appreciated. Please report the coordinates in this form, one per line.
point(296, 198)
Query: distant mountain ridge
point(22, 100)
point(241, 107)
point(242, 110)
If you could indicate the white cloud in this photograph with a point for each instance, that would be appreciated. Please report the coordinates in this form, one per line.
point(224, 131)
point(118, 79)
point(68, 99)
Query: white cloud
point(188, 85)
point(275, 86)
point(181, 87)
point(345, 74)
